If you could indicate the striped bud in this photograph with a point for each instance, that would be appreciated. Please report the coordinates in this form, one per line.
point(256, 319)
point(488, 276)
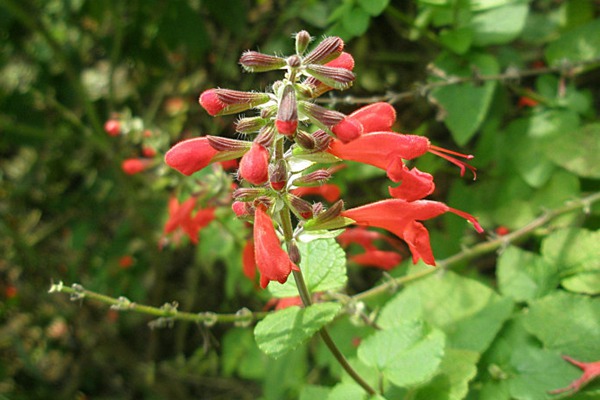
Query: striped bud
point(253, 61)
point(300, 207)
point(314, 178)
point(278, 175)
point(329, 49)
point(305, 140)
point(226, 101)
point(323, 117)
point(338, 78)
point(247, 194)
point(226, 144)
point(303, 39)
point(287, 115)
point(249, 125)
point(322, 140)
point(266, 135)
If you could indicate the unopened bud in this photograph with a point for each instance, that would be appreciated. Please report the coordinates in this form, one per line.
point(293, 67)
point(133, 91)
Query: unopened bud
point(300, 207)
point(287, 115)
point(305, 140)
point(254, 166)
point(294, 61)
point(314, 178)
point(317, 208)
point(320, 116)
point(294, 252)
point(303, 39)
point(226, 144)
point(329, 49)
point(338, 78)
point(266, 135)
point(241, 209)
point(253, 61)
point(268, 112)
point(227, 101)
point(278, 175)
point(332, 212)
point(247, 194)
point(249, 125)
point(322, 139)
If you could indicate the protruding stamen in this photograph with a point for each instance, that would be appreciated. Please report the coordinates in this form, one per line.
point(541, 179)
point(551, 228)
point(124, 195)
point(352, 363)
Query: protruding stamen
point(444, 153)
point(468, 217)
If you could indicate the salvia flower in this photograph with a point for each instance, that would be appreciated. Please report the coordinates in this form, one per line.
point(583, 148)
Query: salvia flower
point(253, 61)
point(287, 114)
point(180, 217)
point(192, 155)
point(254, 166)
point(227, 101)
point(272, 261)
point(402, 218)
point(132, 166)
point(381, 259)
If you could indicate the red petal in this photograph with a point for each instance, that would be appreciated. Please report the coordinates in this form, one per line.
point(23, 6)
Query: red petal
point(375, 117)
point(190, 155)
point(254, 166)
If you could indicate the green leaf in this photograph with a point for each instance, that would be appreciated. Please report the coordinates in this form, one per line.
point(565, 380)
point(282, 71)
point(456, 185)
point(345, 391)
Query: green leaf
point(524, 276)
point(452, 382)
point(311, 392)
point(347, 391)
point(374, 7)
point(567, 323)
point(515, 367)
point(356, 21)
point(499, 25)
point(465, 105)
point(407, 354)
point(579, 44)
point(469, 312)
point(286, 329)
point(577, 150)
point(323, 265)
point(457, 40)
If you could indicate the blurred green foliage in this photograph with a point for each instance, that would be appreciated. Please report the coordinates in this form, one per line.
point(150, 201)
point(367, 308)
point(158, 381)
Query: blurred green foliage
point(69, 213)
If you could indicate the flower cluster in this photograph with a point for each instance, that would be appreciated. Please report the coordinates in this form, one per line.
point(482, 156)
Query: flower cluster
point(291, 136)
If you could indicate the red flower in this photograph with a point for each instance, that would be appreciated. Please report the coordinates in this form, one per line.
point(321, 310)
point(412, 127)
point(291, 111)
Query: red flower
point(415, 185)
point(133, 166)
point(375, 117)
point(385, 260)
point(112, 127)
point(190, 155)
point(254, 166)
point(386, 150)
point(126, 261)
point(591, 370)
point(328, 191)
point(348, 130)
point(180, 216)
point(525, 101)
point(227, 101)
point(248, 260)
point(401, 218)
point(272, 261)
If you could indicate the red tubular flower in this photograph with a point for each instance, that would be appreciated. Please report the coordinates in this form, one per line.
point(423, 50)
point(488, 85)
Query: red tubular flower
point(381, 259)
point(348, 130)
point(360, 236)
point(386, 150)
point(248, 260)
point(190, 155)
point(401, 218)
point(132, 166)
point(180, 216)
point(254, 166)
point(272, 261)
point(415, 185)
point(226, 101)
point(591, 370)
point(375, 117)
point(328, 191)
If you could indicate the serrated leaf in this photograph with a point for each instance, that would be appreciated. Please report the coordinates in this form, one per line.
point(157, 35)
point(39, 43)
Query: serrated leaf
point(499, 25)
point(579, 44)
point(577, 254)
point(323, 265)
point(469, 312)
point(525, 276)
point(567, 323)
point(452, 382)
point(576, 150)
point(465, 105)
point(286, 329)
point(407, 354)
point(374, 7)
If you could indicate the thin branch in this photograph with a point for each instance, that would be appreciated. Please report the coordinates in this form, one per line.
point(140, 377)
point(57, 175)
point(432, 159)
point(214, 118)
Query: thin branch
point(566, 68)
point(484, 248)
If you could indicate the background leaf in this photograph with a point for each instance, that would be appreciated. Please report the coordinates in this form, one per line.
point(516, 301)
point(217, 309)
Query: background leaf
point(576, 150)
point(286, 329)
point(579, 44)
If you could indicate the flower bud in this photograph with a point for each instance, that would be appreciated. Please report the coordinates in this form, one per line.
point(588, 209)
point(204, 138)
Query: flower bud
point(227, 101)
point(345, 61)
point(329, 49)
point(294, 252)
point(338, 78)
point(268, 112)
point(226, 144)
point(249, 125)
point(287, 115)
point(332, 212)
point(294, 61)
point(248, 194)
point(348, 130)
point(320, 116)
point(112, 127)
point(266, 135)
point(314, 178)
point(254, 165)
point(322, 140)
point(253, 61)
point(278, 175)
point(305, 140)
point(303, 39)
point(133, 166)
point(300, 207)
point(242, 209)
